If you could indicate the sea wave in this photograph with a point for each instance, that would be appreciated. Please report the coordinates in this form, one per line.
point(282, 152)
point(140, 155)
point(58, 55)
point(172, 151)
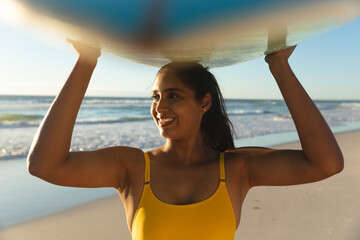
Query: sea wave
point(281, 119)
point(10, 119)
point(249, 112)
point(16, 117)
point(350, 105)
point(22, 120)
point(266, 102)
point(112, 120)
point(117, 101)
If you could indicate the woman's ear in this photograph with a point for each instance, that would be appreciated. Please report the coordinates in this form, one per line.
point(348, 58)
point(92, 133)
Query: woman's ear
point(206, 102)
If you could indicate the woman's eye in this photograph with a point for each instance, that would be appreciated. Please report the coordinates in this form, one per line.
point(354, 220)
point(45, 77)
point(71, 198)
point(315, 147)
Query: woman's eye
point(173, 95)
point(155, 97)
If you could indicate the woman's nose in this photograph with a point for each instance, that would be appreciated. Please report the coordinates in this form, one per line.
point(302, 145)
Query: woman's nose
point(162, 106)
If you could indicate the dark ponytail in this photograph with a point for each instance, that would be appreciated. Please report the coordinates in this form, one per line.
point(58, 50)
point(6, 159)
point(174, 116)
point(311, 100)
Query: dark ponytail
point(215, 126)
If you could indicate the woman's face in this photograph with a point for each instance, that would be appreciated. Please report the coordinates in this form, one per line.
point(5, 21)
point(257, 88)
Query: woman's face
point(176, 111)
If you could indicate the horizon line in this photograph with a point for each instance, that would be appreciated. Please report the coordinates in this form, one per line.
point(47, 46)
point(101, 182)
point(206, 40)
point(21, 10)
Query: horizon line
point(109, 96)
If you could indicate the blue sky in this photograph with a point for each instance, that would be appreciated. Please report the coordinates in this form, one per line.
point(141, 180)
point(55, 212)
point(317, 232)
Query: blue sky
point(328, 66)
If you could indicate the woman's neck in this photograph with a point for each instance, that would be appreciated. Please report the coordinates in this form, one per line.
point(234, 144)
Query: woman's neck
point(187, 153)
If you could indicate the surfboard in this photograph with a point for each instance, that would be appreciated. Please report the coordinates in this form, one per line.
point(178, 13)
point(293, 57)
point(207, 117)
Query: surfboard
point(213, 32)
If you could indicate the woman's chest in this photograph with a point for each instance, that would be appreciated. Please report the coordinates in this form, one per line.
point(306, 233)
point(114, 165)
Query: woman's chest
point(178, 186)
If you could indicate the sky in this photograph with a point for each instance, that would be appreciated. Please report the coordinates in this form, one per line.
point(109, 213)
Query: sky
point(328, 66)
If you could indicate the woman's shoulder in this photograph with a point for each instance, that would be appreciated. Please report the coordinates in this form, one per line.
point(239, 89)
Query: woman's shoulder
point(125, 151)
point(242, 155)
point(155, 153)
point(248, 151)
point(129, 156)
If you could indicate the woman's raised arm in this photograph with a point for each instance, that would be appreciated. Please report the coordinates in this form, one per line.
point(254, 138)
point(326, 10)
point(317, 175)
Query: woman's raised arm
point(49, 156)
point(320, 156)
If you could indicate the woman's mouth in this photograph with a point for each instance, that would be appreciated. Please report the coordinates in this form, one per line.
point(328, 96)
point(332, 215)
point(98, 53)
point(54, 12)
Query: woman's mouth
point(163, 122)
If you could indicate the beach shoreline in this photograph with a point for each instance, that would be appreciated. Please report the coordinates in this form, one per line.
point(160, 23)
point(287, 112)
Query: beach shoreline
point(321, 210)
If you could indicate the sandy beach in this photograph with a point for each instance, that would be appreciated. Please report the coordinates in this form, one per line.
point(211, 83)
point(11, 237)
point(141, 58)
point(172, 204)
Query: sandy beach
point(329, 209)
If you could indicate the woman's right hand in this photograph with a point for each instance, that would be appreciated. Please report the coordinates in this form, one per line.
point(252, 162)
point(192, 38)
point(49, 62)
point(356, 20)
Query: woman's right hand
point(85, 52)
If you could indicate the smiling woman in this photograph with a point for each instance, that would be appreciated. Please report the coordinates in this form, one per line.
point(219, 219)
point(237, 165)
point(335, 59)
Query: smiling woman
point(194, 185)
point(215, 126)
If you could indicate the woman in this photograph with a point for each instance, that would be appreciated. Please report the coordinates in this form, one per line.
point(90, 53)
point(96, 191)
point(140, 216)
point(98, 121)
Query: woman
point(198, 179)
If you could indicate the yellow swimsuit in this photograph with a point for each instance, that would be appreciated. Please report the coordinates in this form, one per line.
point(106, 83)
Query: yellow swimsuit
point(212, 218)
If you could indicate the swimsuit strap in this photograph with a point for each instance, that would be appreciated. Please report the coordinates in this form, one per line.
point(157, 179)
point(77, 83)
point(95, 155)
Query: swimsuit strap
point(222, 167)
point(147, 168)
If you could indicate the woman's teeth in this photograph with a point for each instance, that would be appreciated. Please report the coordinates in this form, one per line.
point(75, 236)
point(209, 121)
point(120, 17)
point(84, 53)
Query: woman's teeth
point(165, 120)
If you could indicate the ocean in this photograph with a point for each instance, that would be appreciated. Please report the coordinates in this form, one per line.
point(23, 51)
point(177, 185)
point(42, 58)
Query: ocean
point(110, 121)
point(105, 121)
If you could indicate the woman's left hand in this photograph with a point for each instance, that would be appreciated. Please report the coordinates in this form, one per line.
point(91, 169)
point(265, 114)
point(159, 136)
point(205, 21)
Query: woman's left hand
point(282, 55)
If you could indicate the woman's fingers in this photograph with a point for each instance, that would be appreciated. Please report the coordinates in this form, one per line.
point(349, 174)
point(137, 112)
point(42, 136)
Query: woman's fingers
point(85, 51)
point(280, 55)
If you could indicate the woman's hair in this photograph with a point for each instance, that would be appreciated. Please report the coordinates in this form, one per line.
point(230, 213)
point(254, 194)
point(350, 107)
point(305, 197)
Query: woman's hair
point(215, 125)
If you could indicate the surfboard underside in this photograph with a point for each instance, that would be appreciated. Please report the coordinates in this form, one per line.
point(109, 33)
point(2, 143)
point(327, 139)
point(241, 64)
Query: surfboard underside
point(215, 33)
